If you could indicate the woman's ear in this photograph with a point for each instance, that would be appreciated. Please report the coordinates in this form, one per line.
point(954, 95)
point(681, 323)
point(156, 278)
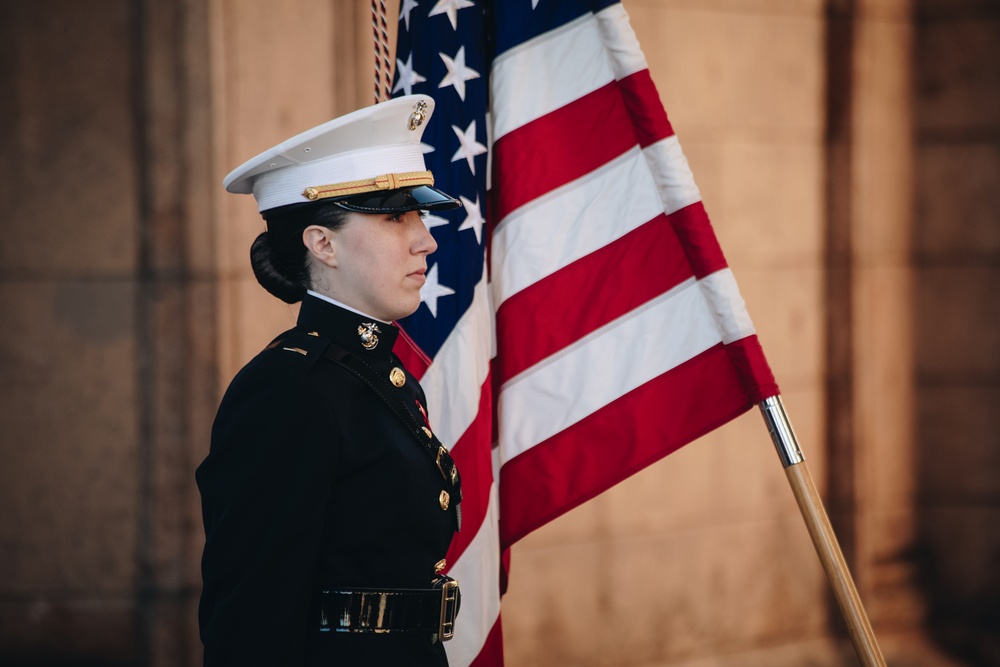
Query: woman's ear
point(321, 244)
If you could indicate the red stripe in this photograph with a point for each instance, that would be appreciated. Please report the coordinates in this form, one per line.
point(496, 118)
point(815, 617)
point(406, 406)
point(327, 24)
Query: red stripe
point(473, 456)
point(751, 366)
point(643, 104)
point(560, 147)
point(696, 235)
point(587, 294)
point(617, 441)
point(413, 358)
point(491, 655)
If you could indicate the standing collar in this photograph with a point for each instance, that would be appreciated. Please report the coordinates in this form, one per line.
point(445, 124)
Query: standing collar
point(343, 305)
point(347, 328)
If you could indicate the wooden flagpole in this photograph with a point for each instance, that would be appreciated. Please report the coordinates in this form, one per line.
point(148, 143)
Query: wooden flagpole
point(823, 537)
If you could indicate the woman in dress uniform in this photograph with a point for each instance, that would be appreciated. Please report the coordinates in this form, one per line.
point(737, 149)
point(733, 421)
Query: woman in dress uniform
point(327, 499)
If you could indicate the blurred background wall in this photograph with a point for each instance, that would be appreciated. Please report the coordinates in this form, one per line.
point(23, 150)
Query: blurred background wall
point(849, 154)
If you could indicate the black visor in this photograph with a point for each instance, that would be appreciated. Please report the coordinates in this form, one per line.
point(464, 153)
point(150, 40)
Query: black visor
point(421, 198)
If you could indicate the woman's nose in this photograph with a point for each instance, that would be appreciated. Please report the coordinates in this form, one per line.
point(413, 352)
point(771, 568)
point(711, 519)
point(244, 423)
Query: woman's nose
point(424, 242)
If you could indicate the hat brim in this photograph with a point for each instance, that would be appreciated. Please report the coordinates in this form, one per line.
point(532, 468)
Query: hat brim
point(420, 198)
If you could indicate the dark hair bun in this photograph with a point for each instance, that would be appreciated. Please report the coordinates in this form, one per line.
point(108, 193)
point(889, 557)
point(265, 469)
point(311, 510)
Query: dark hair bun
point(270, 275)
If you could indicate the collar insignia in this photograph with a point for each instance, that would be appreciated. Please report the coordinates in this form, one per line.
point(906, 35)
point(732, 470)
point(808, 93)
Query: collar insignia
point(367, 331)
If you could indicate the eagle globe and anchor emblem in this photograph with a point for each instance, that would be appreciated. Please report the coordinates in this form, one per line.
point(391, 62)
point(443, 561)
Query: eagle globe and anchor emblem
point(368, 331)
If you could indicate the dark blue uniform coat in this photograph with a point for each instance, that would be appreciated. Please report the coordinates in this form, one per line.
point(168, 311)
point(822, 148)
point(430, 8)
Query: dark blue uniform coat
point(313, 481)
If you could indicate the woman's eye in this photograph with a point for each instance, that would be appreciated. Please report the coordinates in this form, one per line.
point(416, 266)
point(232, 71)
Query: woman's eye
point(395, 217)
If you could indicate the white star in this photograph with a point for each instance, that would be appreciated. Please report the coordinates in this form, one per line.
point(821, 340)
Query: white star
point(534, 3)
point(426, 148)
point(474, 218)
point(408, 5)
point(469, 147)
point(458, 73)
point(450, 7)
point(431, 290)
point(432, 221)
point(407, 77)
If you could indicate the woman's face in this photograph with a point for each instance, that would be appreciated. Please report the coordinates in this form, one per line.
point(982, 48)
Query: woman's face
point(380, 262)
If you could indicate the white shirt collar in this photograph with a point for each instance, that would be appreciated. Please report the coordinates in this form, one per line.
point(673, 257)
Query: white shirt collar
point(344, 306)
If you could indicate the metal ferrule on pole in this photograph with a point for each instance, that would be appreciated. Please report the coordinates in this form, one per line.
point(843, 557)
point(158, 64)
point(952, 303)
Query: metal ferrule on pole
point(781, 431)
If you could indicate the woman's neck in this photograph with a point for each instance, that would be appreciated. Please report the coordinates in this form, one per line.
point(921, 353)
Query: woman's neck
point(343, 305)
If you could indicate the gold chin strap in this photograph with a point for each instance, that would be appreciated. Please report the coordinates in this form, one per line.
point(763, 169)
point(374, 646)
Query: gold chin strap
point(410, 179)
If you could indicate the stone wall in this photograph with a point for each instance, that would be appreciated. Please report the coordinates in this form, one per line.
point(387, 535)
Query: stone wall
point(957, 337)
point(847, 152)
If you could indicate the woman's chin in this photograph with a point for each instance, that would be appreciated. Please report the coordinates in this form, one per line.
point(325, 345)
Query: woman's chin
point(401, 310)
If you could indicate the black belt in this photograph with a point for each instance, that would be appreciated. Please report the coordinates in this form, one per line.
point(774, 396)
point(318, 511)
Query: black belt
point(429, 611)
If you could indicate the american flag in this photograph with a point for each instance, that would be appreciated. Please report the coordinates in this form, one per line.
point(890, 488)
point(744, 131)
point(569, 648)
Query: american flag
point(603, 328)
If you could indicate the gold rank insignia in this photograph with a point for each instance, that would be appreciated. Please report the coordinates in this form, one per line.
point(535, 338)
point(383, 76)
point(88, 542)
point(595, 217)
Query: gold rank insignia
point(367, 331)
point(397, 377)
point(444, 499)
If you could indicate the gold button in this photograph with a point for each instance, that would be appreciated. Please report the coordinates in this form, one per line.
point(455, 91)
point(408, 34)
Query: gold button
point(440, 566)
point(397, 377)
point(444, 499)
point(427, 432)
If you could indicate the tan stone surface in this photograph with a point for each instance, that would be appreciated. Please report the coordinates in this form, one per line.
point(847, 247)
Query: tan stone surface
point(660, 597)
point(786, 309)
point(957, 315)
point(68, 484)
point(69, 180)
point(966, 537)
point(734, 72)
point(765, 199)
point(276, 67)
point(261, 318)
point(907, 649)
point(182, 407)
point(958, 456)
point(44, 631)
point(882, 175)
point(957, 200)
point(175, 639)
point(884, 380)
point(959, 71)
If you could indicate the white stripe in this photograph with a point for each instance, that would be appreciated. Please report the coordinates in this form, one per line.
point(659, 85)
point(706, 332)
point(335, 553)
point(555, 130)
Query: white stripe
point(620, 41)
point(605, 365)
point(550, 71)
point(672, 174)
point(546, 73)
point(453, 381)
point(476, 572)
point(727, 306)
point(571, 222)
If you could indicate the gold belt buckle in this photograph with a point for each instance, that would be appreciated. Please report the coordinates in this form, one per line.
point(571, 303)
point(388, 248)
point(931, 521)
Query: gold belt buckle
point(449, 609)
